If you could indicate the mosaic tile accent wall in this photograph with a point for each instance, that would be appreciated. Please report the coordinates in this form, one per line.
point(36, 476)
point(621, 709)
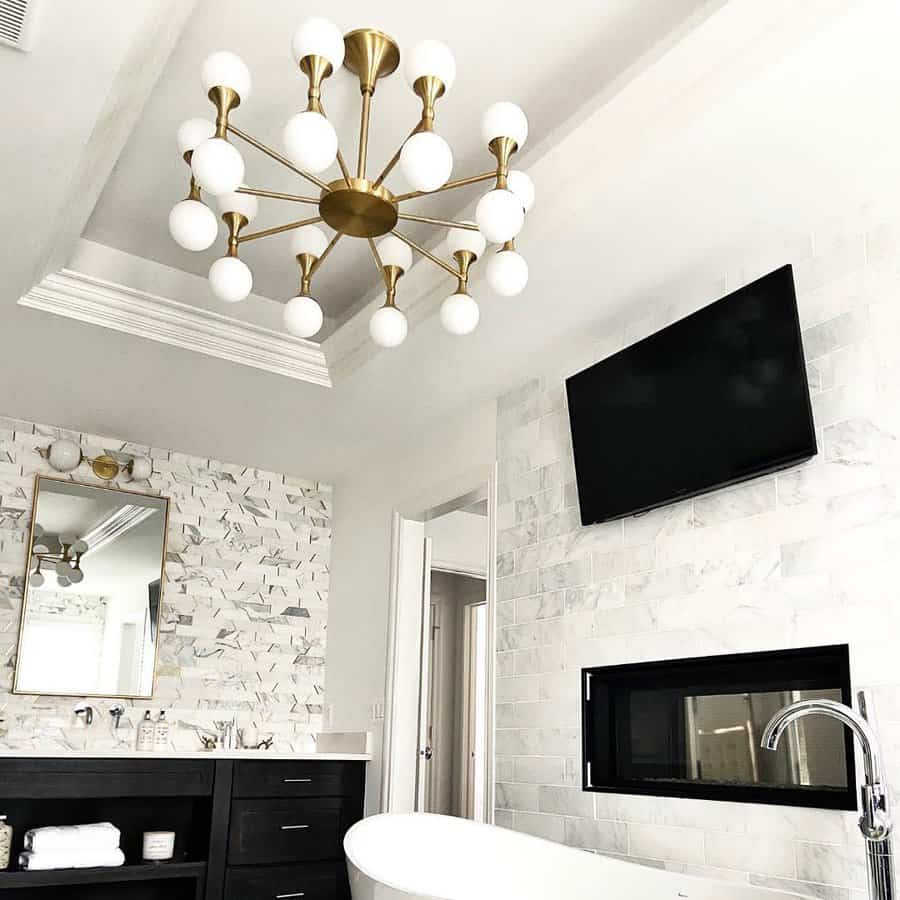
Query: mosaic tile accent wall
point(808, 557)
point(244, 603)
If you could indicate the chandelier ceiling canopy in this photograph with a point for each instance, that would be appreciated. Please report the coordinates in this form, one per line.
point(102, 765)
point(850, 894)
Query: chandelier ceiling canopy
point(356, 204)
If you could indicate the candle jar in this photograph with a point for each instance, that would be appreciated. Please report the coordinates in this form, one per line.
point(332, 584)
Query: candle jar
point(159, 846)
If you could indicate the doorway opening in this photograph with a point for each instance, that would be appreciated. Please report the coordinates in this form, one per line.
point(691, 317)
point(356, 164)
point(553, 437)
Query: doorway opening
point(438, 740)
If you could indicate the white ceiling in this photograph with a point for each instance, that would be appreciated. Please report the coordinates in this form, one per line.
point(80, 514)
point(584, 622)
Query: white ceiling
point(549, 65)
point(720, 151)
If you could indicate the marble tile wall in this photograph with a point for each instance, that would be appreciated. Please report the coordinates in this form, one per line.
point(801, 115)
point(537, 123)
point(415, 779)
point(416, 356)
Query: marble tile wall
point(244, 604)
point(810, 556)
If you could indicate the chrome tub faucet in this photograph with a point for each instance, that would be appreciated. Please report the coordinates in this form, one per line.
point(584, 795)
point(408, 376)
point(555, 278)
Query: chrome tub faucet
point(875, 823)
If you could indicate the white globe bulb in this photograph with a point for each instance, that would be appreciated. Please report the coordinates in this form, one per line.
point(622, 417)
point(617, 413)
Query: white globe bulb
point(37, 530)
point(431, 58)
point(507, 273)
point(308, 239)
point(67, 538)
point(319, 37)
point(230, 279)
point(36, 580)
point(245, 204)
point(394, 252)
point(310, 141)
point(522, 186)
point(63, 581)
point(388, 327)
point(303, 317)
point(504, 119)
point(459, 314)
point(193, 225)
point(63, 568)
point(80, 546)
point(76, 576)
point(194, 132)
point(64, 455)
point(465, 239)
point(500, 216)
point(217, 166)
point(141, 468)
point(226, 69)
point(427, 161)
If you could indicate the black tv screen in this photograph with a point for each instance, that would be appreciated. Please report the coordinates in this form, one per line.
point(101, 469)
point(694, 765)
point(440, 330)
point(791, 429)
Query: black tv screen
point(716, 398)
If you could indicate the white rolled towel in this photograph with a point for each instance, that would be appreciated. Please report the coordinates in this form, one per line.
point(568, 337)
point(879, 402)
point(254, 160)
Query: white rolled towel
point(97, 836)
point(71, 859)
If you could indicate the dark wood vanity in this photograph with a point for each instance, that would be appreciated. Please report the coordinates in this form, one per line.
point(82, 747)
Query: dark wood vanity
point(246, 829)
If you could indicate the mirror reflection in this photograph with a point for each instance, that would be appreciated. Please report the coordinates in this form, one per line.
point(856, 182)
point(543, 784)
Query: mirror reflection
point(90, 617)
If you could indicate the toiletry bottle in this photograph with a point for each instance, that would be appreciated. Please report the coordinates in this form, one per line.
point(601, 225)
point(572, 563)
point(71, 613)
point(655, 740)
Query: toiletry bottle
point(161, 732)
point(145, 732)
point(6, 833)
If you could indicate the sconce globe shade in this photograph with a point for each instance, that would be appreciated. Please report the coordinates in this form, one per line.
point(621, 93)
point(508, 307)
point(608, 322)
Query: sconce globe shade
point(459, 314)
point(431, 58)
point(226, 69)
point(62, 581)
point(319, 37)
point(303, 316)
point(217, 166)
point(141, 467)
point(193, 132)
point(64, 455)
point(245, 204)
point(504, 119)
point(308, 239)
point(465, 239)
point(394, 252)
point(67, 538)
point(193, 225)
point(36, 580)
point(522, 186)
point(426, 161)
point(63, 568)
point(507, 273)
point(310, 141)
point(230, 279)
point(76, 576)
point(499, 215)
point(388, 327)
point(40, 547)
point(80, 546)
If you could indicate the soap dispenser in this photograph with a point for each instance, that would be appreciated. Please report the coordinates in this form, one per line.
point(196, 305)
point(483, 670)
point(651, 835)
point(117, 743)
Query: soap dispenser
point(145, 732)
point(161, 732)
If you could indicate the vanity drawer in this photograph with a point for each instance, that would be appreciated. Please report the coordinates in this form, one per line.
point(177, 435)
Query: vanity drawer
point(274, 831)
point(300, 778)
point(314, 881)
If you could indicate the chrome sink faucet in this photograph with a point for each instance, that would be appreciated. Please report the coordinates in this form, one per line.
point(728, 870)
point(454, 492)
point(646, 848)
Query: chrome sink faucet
point(875, 822)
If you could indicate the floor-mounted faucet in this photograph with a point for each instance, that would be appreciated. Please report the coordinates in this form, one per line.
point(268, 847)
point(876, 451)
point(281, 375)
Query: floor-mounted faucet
point(875, 822)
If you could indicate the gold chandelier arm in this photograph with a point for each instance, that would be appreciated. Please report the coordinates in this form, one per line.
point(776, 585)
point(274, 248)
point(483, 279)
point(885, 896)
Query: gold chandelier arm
point(377, 257)
point(274, 154)
point(395, 158)
point(342, 163)
point(278, 229)
point(409, 217)
point(449, 186)
point(277, 195)
point(427, 254)
point(337, 236)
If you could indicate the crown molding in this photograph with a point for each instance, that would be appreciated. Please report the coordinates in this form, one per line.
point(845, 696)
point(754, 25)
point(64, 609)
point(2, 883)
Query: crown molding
point(120, 308)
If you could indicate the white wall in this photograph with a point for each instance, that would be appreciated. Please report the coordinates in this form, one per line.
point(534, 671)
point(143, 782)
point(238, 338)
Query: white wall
point(807, 557)
point(459, 541)
point(442, 466)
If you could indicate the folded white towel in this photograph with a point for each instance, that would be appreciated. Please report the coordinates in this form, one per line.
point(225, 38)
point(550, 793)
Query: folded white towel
point(71, 859)
point(98, 836)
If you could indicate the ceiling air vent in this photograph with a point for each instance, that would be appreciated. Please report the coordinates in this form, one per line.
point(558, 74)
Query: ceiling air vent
point(17, 23)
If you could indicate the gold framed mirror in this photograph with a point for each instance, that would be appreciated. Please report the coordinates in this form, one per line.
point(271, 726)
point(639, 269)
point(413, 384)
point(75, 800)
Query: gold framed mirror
point(91, 608)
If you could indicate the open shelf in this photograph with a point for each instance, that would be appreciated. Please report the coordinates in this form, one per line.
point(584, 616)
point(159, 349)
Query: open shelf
point(110, 875)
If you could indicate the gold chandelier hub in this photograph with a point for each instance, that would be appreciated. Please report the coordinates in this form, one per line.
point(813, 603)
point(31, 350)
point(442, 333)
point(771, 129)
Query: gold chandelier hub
point(360, 208)
point(370, 54)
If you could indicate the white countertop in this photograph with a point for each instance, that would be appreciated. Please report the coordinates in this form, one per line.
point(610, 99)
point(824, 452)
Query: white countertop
point(180, 754)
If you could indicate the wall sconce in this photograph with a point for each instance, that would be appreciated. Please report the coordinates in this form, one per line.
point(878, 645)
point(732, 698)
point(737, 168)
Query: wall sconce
point(66, 456)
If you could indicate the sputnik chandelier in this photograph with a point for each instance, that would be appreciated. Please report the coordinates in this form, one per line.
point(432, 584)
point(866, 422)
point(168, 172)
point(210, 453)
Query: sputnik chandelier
point(357, 205)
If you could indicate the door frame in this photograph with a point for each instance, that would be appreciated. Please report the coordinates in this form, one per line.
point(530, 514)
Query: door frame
point(481, 483)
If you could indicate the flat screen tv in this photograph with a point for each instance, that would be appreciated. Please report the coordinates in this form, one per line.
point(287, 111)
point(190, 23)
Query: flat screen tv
point(714, 399)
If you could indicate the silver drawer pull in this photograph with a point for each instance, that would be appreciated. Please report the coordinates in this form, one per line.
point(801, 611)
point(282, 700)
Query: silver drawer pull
point(289, 896)
point(293, 827)
point(296, 780)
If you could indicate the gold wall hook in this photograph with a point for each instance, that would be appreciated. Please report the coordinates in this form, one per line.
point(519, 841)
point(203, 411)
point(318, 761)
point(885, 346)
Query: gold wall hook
point(224, 99)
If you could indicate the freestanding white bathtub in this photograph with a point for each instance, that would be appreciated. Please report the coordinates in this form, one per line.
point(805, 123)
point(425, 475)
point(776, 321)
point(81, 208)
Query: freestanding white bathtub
point(398, 856)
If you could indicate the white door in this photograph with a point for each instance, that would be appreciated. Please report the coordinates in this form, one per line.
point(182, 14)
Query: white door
point(424, 748)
